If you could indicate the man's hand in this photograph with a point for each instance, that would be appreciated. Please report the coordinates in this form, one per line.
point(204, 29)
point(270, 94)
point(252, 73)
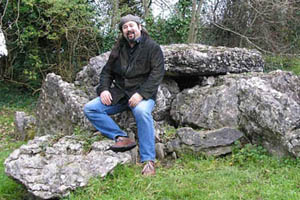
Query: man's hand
point(106, 97)
point(135, 99)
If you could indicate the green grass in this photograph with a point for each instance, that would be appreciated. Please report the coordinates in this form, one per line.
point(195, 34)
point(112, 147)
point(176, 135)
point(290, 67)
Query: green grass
point(193, 177)
point(9, 189)
point(285, 63)
point(12, 99)
point(249, 173)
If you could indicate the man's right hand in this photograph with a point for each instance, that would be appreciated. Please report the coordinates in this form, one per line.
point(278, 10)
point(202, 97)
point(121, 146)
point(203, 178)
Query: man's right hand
point(106, 97)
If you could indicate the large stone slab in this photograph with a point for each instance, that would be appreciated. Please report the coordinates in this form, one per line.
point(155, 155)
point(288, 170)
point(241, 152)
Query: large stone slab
point(185, 60)
point(213, 143)
point(203, 60)
point(50, 167)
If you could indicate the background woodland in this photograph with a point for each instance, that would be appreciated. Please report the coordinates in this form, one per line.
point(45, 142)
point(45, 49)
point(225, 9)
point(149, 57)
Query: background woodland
point(60, 36)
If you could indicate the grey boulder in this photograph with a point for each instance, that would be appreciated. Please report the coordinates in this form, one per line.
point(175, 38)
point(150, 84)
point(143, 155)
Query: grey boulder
point(265, 107)
point(52, 167)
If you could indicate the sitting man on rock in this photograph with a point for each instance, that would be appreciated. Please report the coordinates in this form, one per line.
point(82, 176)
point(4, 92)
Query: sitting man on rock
point(129, 80)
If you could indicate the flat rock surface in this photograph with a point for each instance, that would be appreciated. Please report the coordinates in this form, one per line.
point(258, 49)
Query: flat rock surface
point(50, 167)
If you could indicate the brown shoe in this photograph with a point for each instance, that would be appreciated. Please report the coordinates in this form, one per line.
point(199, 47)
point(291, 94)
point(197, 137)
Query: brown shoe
point(123, 144)
point(149, 169)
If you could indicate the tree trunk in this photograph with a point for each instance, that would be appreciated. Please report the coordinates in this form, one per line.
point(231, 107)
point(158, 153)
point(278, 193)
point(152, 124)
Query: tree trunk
point(146, 6)
point(115, 13)
point(200, 3)
point(192, 37)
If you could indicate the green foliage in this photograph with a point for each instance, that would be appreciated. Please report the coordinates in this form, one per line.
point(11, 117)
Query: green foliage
point(109, 40)
point(244, 155)
point(175, 28)
point(163, 30)
point(48, 36)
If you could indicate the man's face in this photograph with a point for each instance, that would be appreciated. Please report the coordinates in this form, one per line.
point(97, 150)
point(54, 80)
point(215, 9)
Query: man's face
point(131, 30)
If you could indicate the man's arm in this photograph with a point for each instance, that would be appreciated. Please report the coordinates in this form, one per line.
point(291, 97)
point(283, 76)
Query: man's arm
point(105, 79)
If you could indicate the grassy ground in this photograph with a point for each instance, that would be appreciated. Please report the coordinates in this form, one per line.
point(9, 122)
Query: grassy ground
point(193, 177)
point(246, 174)
point(12, 99)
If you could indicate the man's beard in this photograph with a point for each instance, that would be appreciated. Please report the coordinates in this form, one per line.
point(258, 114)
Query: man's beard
point(130, 40)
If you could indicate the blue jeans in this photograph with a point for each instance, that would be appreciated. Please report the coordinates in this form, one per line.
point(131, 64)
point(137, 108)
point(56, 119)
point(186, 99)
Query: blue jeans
point(98, 115)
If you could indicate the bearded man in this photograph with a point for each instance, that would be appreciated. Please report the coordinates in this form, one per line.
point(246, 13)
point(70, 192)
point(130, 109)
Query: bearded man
point(129, 81)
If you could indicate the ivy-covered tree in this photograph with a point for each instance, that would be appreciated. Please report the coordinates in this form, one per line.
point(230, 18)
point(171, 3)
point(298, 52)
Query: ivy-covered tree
point(47, 36)
point(174, 28)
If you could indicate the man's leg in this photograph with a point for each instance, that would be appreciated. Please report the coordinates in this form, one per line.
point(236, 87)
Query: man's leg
point(98, 115)
point(145, 125)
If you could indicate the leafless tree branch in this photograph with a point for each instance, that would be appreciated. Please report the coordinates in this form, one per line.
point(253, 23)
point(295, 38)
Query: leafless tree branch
point(3, 14)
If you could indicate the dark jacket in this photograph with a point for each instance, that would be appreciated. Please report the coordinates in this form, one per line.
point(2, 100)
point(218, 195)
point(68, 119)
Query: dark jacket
point(142, 72)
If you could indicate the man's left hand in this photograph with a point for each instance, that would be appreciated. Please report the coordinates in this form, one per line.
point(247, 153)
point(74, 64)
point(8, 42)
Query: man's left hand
point(135, 100)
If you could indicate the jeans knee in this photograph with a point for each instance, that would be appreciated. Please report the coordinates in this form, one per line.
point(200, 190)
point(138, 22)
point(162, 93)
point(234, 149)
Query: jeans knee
point(141, 112)
point(91, 109)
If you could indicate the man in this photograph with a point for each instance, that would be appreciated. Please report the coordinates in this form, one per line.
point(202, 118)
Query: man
point(129, 80)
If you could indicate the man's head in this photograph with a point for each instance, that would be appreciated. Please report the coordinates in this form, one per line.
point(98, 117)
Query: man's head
point(131, 27)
